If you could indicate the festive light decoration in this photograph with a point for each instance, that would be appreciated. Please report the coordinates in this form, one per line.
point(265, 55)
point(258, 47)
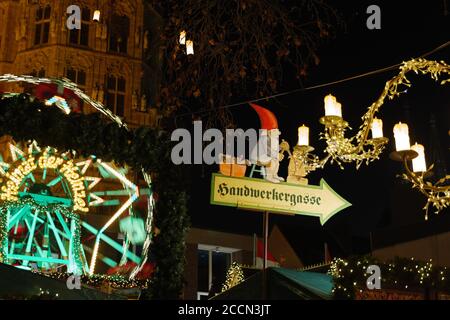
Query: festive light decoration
point(71, 174)
point(99, 280)
point(345, 150)
point(67, 84)
point(182, 37)
point(303, 136)
point(234, 277)
point(418, 163)
point(360, 148)
point(96, 16)
point(16, 176)
point(377, 128)
point(350, 276)
point(401, 135)
point(74, 235)
point(437, 194)
point(332, 107)
point(134, 194)
point(189, 47)
point(143, 147)
point(59, 102)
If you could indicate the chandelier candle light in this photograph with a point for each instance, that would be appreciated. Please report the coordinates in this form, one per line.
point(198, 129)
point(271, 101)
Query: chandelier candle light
point(419, 163)
point(182, 37)
point(361, 148)
point(332, 107)
point(377, 128)
point(96, 17)
point(401, 135)
point(189, 47)
point(403, 151)
point(303, 136)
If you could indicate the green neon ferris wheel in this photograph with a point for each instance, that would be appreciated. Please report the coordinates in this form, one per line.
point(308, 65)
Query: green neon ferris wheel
point(46, 199)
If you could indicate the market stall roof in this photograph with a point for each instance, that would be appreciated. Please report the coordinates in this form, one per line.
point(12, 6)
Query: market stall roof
point(318, 283)
point(282, 284)
point(15, 282)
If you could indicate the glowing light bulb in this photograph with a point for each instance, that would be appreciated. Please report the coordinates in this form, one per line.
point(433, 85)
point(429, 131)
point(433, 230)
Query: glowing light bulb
point(419, 163)
point(303, 136)
point(332, 107)
point(189, 47)
point(401, 135)
point(96, 16)
point(377, 128)
point(182, 37)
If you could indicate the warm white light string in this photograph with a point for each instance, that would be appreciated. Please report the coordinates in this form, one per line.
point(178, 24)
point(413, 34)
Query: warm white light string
point(67, 84)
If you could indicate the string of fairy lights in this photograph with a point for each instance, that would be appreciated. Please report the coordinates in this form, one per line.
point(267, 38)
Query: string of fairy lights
point(100, 280)
point(350, 276)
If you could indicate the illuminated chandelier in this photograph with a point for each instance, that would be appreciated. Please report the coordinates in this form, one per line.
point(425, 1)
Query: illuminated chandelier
point(362, 148)
point(438, 194)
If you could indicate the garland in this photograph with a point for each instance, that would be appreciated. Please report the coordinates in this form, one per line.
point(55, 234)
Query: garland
point(399, 274)
point(98, 280)
point(144, 147)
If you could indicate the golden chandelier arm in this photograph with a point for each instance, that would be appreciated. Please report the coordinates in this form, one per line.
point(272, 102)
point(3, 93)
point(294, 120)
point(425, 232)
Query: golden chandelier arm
point(438, 195)
point(390, 90)
point(343, 149)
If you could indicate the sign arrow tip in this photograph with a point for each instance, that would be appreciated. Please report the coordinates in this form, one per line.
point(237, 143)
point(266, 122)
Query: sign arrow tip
point(335, 202)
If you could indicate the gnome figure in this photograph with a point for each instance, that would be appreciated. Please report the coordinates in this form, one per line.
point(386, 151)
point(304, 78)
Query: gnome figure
point(267, 152)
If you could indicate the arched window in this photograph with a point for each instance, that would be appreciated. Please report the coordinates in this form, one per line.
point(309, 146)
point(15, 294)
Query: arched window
point(42, 25)
point(81, 37)
point(119, 28)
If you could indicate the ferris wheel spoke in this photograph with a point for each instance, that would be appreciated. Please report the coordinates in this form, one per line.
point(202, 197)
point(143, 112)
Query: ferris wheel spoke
point(54, 181)
point(63, 223)
point(62, 249)
point(36, 244)
point(44, 174)
point(31, 233)
point(31, 177)
point(17, 217)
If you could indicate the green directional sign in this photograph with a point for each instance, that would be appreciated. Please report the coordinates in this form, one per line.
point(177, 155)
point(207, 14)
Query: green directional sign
point(257, 194)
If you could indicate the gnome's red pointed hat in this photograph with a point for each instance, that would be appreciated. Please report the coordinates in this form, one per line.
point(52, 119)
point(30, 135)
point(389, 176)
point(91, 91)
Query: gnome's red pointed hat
point(267, 118)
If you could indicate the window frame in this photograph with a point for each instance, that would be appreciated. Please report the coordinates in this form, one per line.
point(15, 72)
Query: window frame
point(85, 25)
point(41, 24)
point(111, 34)
point(115, 92)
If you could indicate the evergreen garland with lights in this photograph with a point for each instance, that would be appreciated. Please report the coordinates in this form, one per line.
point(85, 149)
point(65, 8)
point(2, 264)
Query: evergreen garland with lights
point(401, 274)
point(25, 119)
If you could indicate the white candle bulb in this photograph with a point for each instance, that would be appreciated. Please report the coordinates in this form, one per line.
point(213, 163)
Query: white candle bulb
point(332, 107)
point(96, 16)
point(303, 136)
point(401, 135)
point(183, 37)
point(418, 163)
point(377, 128)
point(189, 47)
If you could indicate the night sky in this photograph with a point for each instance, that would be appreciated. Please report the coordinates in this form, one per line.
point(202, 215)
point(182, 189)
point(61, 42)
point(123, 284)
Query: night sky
point(383, 205)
